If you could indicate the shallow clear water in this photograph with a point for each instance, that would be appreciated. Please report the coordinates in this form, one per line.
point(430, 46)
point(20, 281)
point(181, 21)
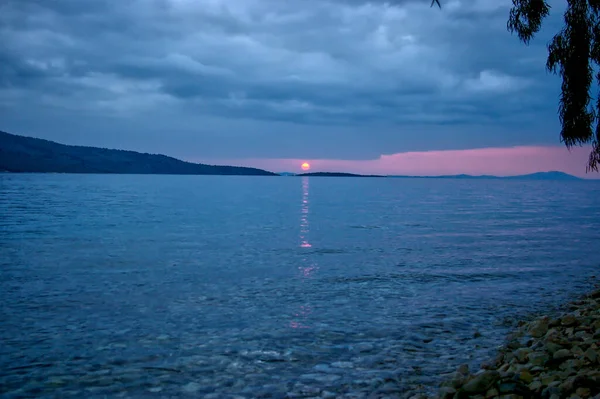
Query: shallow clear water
point(162, 286)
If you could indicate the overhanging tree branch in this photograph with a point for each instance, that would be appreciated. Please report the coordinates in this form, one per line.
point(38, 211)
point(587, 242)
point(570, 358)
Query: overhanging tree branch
point(573, 53)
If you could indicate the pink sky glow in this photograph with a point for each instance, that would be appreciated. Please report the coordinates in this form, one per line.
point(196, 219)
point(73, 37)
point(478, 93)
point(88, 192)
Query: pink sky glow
point(482, 161)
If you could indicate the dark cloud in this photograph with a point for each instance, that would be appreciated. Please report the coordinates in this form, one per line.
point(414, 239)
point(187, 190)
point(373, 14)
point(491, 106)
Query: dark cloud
point(350, 78)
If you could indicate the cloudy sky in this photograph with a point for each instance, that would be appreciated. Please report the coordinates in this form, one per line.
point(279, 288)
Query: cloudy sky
point(362, 86)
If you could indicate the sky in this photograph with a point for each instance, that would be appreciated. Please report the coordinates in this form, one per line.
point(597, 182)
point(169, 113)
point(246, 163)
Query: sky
point(393, 87)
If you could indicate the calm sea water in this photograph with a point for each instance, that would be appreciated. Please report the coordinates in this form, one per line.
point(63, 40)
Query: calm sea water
point(169, 286)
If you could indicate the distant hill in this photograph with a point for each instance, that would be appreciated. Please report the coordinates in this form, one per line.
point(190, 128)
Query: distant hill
point(553, 175)
point(533, 176)
point(27, 154)
point(335, 174)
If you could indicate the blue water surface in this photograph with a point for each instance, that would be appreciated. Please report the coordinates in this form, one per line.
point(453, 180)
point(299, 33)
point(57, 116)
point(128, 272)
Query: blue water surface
point(210, 286)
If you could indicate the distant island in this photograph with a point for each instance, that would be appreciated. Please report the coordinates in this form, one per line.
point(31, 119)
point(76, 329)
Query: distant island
point(335, 174)
point(553, 175)
point(28, 154)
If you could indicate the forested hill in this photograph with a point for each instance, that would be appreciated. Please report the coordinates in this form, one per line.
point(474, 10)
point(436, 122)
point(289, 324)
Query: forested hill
point(27, 154)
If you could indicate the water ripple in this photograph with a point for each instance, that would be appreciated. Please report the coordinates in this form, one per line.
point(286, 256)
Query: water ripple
point(143, 286)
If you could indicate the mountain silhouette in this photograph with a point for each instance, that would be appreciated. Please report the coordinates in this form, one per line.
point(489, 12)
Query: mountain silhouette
point(28, 154)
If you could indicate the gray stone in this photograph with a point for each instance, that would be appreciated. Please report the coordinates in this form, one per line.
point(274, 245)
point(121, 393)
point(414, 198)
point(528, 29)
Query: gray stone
point(561, 354)
point(454, 380)
point(488, 365)
point(446, 392)
point(538, 358)
point(569, 320)
point(550, 391)
point(463, 369)
point(539, 327)
point(508, 387)
point(514, 344)
point(525, 376)
point(553, 347)
point(535, 386)
point(509, 357)
point(522, 354)
point(548, 379)
point(571, 364)
point(499, 359)
point(577, 351)
point(591, 355)
point(481, 382)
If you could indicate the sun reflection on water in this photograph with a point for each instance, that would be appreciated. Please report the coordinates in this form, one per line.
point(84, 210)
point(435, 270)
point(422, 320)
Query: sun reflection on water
point(304, 224)
point(308, 267)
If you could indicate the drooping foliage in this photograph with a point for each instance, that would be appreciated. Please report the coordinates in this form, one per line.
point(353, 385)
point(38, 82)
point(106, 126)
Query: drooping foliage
point(573, 53)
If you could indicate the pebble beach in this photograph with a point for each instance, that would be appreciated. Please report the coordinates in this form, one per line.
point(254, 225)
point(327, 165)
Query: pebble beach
point(547, 357)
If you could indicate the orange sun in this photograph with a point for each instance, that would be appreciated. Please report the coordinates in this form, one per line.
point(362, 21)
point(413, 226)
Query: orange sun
point(305, 166)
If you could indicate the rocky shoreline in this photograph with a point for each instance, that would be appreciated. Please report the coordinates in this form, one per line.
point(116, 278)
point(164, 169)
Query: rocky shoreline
point(548, 357)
